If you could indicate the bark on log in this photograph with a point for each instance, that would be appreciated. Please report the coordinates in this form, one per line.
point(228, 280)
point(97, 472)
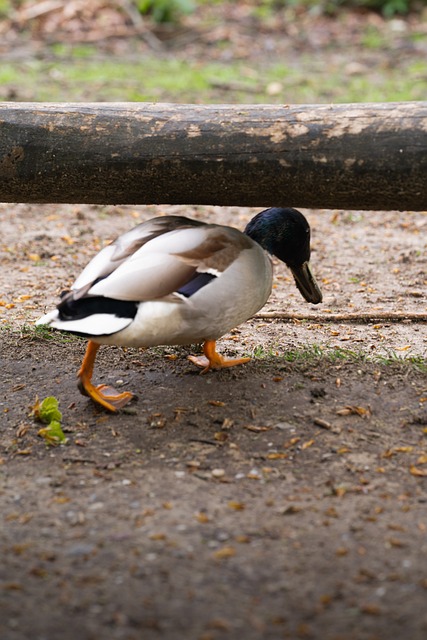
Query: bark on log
point(358, 156)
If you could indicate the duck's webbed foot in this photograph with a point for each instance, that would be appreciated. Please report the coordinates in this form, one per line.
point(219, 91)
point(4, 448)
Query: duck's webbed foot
point(103, 394)
point(213, 360)
point(108, 397)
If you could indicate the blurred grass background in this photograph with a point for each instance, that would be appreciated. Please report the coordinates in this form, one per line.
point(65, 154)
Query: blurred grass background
point(273, 51)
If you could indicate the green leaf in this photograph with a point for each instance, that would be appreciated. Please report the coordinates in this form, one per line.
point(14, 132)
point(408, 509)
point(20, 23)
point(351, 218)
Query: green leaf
point(53, 434)
point(47, 410)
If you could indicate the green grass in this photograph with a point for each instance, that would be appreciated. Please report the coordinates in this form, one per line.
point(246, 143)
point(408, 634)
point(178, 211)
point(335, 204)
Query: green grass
point(78, 74)
point(314, 353)
point(417, 362)
point(43, 333)
point(260, 352)
point(309, 355)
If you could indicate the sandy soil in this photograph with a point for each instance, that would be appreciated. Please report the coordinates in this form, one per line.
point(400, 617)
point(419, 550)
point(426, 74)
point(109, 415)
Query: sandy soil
point(276, 500)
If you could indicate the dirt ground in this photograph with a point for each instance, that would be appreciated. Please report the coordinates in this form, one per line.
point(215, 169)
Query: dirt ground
point(281, 499)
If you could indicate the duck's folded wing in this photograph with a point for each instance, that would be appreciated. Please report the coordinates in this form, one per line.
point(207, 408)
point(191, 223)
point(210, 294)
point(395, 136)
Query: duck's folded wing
point(167, 263)
point(123, 247)
point(150, 277)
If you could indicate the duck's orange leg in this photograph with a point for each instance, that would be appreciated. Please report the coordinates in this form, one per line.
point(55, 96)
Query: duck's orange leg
point(106, 396)
point(213, 360)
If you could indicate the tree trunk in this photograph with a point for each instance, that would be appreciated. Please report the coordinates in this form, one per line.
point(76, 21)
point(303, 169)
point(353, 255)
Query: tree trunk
point(358, 156)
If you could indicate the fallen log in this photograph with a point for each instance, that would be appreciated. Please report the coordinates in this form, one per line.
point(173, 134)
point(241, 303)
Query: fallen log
point(354, 156)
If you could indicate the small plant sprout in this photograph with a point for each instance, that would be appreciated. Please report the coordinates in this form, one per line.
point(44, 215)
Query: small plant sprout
point(48, 413)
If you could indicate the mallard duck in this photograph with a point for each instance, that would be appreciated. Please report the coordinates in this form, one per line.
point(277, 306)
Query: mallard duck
point(176, 281)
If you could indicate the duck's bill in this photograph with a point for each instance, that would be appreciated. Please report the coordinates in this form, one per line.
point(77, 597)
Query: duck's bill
point(306, 283)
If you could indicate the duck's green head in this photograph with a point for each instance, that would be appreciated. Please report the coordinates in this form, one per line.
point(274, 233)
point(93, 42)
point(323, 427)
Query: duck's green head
point(285, 233)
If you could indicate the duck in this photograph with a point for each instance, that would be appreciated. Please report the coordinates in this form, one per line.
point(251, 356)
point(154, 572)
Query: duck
point(173, 280)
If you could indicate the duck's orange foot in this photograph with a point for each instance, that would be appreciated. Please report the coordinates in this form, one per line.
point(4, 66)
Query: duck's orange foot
point(106, 396)
point(103, 394)
point(213, 360)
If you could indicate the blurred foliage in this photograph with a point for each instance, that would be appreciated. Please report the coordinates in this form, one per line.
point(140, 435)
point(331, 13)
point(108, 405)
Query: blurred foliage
point(165, 10)
point(387, 7)
point(5, 7)
point(171, 10)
